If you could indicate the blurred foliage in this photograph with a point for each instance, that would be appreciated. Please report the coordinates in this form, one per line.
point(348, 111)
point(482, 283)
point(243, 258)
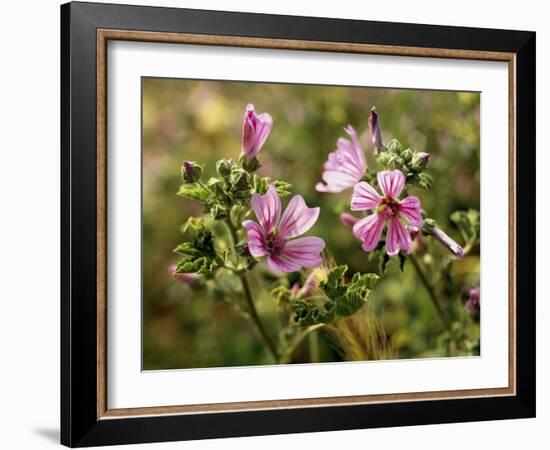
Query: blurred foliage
point(201, 121)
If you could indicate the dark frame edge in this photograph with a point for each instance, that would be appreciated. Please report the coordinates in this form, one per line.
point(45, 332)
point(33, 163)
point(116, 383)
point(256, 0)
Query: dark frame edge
point(525, 223)
point(65, 187)
point(80, 427)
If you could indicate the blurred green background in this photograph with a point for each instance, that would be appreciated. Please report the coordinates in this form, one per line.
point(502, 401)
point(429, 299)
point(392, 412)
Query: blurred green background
point(202, 120)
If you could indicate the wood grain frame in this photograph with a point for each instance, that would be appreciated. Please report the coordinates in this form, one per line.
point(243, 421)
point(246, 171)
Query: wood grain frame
point(105, 35)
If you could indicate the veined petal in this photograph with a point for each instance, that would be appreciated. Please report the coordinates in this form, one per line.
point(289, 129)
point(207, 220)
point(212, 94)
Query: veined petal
point(248, 131)
point(368, 230)
point(357, 151)
point(337, 181)
point(364, 197)
point(409, 208)
point(306, 251)
point(263, 128)
point(391, 182)
point(278, 264)
point(344, 166)
point(256, 239)
point(297, 218)
point(267, 209)
point(397, 238)
point(322, 187)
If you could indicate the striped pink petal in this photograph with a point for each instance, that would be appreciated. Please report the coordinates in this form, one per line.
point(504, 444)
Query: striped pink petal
point(368, 230)
point(256, 240)
point(397, 238)
point(306, 251)
point(297, 218)
point(345, 166)
point(364, 197)
point(409, 208)
point(267, 209)
point(391, 182)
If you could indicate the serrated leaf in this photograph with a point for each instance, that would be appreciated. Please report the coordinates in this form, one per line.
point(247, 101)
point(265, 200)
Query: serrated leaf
point(193, 191)
point(343, 298)
point(468, 224)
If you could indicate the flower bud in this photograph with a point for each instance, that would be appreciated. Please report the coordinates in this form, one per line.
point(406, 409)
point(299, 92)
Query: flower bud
point(218, 212)
point(472, 304)
point(375, 129)
point(395, 146)
point(191, 172)
point(420, 160)
point(250, 165)
point(219, 191)
point(240, 179)
point(256, 129)
point(223, 167)
point(430, 228)
point(413, 231)
point(348, 219)
point(407, 155)
point(186, 278)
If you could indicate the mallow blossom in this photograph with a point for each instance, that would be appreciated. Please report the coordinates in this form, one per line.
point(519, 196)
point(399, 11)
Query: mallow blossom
point(345, 166)
point(256, 129)
point(386, 208)
point(274, 234)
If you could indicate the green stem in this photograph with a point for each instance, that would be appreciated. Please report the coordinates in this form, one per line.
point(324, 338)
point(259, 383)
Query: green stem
point(256, 318)
point(287, 357)
point(313, 344)
point(249, 300)
point(431, 292)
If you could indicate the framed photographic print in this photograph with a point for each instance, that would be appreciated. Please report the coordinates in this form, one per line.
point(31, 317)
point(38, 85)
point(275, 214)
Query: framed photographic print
point(276, 224)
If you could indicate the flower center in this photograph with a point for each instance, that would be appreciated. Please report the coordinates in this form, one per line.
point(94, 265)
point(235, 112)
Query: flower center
point(274, 243)
point(388, 207)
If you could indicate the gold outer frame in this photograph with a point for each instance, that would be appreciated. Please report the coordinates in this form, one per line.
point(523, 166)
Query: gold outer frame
point(104, 35)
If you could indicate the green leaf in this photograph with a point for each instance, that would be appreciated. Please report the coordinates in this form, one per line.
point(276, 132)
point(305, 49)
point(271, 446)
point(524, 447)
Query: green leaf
point(468, 223)
point(283, 188)
point(342, 298)
point(193, 191)
point(198, 251)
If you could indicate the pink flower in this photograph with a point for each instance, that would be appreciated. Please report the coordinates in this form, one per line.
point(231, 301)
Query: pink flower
point(386, 208)
point(273, 235)
point(345, 166)
point(256, 129)
point(185, 278)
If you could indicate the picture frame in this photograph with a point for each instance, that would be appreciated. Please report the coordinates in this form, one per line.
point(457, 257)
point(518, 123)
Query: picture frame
point(86, 29)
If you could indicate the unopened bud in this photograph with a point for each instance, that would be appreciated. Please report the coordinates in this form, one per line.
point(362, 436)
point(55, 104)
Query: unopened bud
point(420, 160)
point(375, 129)
point(191, 172)
point(223, 167)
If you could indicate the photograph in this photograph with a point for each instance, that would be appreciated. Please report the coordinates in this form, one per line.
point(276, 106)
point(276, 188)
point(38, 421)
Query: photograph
point(294, 224)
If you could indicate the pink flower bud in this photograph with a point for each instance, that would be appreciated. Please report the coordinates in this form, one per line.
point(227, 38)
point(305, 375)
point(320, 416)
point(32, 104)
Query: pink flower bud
point(186, 278)
point(256, 129)
point(348, 219)
point(414, 231)
point(448, 242)
point(472, 304)
point(375, 129)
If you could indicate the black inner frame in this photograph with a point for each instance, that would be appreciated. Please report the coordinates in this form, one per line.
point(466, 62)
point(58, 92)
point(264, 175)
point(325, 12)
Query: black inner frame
point(79, 423)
